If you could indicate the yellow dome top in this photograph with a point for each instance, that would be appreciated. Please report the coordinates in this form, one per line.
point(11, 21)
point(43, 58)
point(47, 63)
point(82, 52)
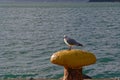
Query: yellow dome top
point(74, 59)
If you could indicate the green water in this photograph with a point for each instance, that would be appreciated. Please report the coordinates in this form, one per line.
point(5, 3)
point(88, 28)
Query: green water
point(59, 5)
point(30, 33)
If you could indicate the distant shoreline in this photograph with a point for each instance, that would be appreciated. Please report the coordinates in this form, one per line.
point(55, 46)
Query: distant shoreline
point(104, 1)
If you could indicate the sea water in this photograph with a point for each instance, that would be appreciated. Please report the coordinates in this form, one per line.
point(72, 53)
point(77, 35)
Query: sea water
point(30, 33)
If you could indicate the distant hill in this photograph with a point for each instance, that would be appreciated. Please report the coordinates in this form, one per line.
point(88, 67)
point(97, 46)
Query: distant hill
point(104, 0)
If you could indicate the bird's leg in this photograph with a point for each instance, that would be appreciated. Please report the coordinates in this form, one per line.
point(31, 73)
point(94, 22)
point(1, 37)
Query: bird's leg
point(70, 47)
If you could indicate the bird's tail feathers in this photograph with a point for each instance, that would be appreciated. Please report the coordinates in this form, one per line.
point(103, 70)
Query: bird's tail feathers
point(80, 44)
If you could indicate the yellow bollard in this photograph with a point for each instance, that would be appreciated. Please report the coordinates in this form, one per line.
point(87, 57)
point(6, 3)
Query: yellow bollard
point(73, 61)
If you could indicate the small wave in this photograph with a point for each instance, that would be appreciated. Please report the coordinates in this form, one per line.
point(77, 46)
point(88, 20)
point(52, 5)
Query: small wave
point(7, 76)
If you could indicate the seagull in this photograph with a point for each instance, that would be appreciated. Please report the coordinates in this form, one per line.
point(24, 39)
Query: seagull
point(71, 42)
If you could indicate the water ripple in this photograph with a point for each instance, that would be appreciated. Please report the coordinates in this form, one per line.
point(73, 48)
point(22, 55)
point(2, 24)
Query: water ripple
point(29, 36)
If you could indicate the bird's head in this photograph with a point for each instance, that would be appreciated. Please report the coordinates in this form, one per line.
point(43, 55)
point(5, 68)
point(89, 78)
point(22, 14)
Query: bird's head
point(65, 36)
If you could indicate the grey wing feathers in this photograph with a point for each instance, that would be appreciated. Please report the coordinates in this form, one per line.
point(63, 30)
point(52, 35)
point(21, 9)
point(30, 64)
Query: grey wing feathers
point(73, 42)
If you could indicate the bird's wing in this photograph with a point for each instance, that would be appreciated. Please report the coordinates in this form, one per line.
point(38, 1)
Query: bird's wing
point(72, 41)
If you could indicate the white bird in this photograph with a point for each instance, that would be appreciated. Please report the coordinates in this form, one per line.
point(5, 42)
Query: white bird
point(71, 42)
